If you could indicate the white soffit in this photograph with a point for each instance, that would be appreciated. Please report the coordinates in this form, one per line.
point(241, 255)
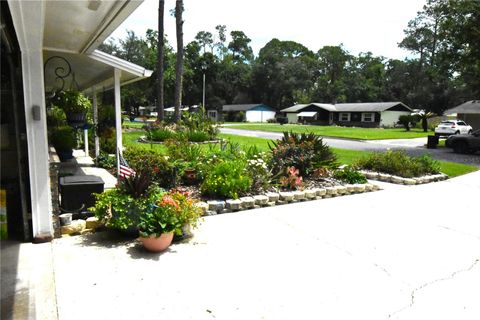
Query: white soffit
point(80, 26)
point(307, 114)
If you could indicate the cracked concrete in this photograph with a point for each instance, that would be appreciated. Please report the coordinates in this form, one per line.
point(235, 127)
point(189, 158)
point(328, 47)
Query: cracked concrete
point(407, 252)
point(447, 293)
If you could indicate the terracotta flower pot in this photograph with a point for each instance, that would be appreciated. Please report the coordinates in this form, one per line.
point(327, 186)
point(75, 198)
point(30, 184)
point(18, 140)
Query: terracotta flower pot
point(158, 244)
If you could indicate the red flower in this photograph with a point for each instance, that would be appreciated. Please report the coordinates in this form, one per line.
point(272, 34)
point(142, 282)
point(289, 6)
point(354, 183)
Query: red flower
point(167, 200)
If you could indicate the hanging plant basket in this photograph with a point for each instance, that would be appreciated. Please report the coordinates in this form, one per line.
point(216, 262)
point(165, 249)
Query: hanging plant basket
point(76, 119)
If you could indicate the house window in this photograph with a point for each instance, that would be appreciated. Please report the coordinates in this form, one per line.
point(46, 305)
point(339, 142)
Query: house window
point(344, 116)
point(212, 114)
point(368, 117)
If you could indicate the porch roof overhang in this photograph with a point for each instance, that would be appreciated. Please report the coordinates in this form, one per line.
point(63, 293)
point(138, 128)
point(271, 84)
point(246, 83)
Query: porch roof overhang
point(89, 70)
point(307, 114)
point(73, 29)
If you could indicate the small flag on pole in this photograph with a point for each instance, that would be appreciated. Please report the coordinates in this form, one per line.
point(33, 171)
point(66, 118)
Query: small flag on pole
point(125, 170)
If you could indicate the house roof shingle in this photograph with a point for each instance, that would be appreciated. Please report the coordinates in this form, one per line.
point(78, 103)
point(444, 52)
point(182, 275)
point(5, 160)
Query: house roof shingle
point(469, 107)
point(369, 106)
point(242, 107)
point(350, 107)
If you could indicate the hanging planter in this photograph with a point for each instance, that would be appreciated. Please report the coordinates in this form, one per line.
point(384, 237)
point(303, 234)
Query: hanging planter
point(75, 105)
point(76, 119)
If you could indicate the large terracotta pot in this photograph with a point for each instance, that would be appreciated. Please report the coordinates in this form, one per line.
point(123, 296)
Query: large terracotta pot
point(158, 244)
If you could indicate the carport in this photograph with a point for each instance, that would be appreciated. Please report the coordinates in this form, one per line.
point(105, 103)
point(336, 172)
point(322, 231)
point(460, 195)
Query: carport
point(468, 112)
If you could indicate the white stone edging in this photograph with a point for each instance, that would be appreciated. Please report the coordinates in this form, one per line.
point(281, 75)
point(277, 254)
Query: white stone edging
point(269, 199)
point(371, 175)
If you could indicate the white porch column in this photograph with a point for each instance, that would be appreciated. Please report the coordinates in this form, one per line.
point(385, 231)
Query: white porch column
point(38, 159)
point(95, 122)
point(118, 117)
point(85, 141)
point(28, 19)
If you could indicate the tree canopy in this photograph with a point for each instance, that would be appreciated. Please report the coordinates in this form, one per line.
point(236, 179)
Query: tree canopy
point(442, 71)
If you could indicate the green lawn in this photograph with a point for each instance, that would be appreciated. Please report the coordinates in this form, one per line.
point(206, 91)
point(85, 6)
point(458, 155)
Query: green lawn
point(344, 156)
point(136, 125)
point(333, 131)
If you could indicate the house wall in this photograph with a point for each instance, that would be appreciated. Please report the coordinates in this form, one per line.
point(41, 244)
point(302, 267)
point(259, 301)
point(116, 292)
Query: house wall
point(390, 118)
point(356, 120)
point(471, 119)
point(292, 117)
point(259, 116)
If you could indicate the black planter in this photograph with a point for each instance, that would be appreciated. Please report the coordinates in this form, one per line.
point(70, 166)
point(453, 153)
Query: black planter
point(65, 155)
point(76, 119)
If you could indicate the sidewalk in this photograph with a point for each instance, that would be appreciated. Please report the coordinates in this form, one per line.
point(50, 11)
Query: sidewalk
point(407, 252)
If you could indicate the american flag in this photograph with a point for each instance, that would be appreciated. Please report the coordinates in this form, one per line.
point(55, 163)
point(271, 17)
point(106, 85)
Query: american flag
point(125, 170)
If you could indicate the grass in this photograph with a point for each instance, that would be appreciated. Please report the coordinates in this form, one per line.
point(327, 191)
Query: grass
point(136, 125)
point(453, 169)
point(334, 131)
point(349, 157)
point(344, 156)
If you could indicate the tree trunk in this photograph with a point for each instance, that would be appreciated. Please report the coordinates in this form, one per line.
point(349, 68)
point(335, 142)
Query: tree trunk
point(425, 124)
point(160, 59)
point(179, 64)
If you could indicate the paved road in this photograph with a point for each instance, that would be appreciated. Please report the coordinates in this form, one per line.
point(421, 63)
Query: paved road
point(414, 147)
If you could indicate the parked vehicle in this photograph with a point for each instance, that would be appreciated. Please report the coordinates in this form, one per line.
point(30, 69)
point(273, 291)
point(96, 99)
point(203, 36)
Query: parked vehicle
point(449, 127)
point(464, 143)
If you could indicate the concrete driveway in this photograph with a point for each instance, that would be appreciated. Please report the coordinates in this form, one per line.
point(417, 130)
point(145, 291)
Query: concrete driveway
point(406, 252)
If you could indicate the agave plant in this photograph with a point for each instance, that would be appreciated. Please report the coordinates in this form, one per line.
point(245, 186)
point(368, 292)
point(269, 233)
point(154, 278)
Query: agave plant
point(305, 151)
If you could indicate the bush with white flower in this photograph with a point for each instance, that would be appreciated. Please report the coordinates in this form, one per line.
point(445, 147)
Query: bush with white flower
point(259, 171)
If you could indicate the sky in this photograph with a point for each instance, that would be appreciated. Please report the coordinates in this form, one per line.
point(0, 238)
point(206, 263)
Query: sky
point(360, 25)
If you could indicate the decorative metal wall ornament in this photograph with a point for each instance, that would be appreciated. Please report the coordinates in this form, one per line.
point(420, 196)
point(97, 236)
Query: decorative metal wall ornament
point(62, 71)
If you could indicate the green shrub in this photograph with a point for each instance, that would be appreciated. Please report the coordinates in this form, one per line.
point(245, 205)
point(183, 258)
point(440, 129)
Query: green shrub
point(106, 161)
point(63, 138)
point(120, 210)
point(199, 122)
point(159, 168)
point(160, 134)
point(407, 121)
point(305, 152)
point(197, 136)
point(428, 165)
point(400, 164)
point(349, 175)
point(184, 151)
point(227, 179)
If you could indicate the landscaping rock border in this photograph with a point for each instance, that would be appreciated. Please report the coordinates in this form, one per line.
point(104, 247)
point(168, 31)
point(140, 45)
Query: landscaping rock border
point(378, 176)
point(270, 199)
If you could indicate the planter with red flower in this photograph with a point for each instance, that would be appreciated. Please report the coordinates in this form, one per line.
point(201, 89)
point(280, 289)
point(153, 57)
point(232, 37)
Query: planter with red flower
point(170, 215)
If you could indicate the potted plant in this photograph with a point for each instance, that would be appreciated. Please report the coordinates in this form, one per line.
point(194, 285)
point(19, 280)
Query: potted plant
point(75, 105)
point(173, 213)
point(63, 140)
point(120, 208)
